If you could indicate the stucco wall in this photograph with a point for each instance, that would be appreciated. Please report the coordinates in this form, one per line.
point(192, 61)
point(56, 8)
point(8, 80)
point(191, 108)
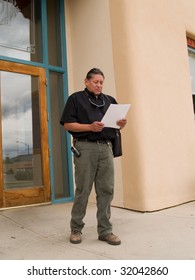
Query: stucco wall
point(152, 68)
point(89, 45)
point(141, 47)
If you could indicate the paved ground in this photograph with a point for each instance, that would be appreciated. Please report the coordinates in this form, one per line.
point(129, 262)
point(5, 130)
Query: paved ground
point(42, 233)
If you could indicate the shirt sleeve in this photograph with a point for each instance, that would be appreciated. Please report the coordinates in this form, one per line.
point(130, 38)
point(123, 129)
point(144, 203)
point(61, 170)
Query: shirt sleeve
point(69, 114)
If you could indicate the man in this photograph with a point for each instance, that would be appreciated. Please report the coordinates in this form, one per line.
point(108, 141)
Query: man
point(93, 158)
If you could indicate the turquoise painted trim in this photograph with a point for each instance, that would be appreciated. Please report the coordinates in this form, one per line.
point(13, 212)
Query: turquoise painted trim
point(25, 62)
point(32, 63)
point(38, 64)
point(56, 69)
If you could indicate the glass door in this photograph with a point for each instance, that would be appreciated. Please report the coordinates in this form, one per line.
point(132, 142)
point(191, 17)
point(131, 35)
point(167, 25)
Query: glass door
point(24, 155)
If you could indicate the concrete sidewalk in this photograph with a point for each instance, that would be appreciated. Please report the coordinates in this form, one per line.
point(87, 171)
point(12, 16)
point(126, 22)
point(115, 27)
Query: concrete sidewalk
point(42, 233)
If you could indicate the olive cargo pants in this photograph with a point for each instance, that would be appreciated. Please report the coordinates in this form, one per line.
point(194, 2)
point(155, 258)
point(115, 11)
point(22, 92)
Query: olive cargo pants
point(95, 165)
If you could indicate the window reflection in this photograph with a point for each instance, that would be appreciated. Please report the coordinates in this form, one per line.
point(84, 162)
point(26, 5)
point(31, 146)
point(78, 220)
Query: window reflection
point(60, 160)
point(20, 130)
point(192, 74)
point(20, 29)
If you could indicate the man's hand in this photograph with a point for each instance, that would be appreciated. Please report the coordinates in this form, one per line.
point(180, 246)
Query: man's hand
point(121, 123)
point(97, 126)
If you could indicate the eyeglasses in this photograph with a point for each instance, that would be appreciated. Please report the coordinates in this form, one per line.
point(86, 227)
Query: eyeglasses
point(97, 105)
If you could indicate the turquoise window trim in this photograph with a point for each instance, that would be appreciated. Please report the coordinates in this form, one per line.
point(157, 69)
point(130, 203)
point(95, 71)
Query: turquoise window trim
point(62, 70)
point(21, 61)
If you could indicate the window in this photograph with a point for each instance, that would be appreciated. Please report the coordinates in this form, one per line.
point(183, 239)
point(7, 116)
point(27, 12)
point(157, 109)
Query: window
point(191, 54)
point(32, 32)
point(54, 33)
point(20, 30)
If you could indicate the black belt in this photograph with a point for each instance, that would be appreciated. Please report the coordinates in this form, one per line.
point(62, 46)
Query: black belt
point(92, 141)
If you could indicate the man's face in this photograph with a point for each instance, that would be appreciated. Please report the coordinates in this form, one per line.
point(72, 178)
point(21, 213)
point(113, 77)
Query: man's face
point(95, 84)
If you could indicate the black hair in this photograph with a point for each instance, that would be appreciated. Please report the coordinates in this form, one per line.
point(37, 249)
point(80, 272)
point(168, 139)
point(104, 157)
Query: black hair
point(94, 71)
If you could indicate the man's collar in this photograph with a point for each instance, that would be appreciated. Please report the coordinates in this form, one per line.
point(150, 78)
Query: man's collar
point(91, 94)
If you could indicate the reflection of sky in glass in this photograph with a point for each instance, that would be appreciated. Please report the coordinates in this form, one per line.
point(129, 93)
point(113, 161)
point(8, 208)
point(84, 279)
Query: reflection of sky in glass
point(192, 70)
point(15, 34)
point(16, 113)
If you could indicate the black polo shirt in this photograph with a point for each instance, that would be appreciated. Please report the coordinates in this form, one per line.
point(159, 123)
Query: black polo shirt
point(84, 107)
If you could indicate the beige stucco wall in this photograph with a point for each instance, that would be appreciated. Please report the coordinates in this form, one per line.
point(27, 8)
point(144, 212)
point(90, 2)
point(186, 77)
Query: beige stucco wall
point(89, 44)
point(141, 47)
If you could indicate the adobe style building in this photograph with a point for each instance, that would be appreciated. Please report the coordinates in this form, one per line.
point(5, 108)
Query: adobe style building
point(146, 49)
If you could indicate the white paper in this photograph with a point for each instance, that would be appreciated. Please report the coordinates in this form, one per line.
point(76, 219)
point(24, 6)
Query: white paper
point(115, 113)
